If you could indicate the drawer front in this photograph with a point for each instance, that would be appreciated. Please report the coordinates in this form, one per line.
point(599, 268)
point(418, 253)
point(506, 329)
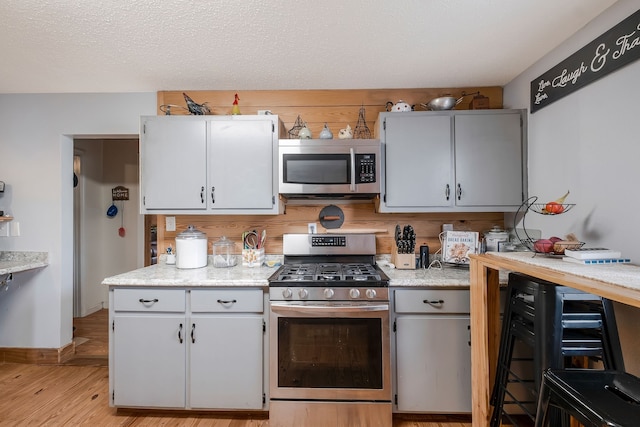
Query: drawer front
point(149, 300)
point(227, 300)
point(432, 301)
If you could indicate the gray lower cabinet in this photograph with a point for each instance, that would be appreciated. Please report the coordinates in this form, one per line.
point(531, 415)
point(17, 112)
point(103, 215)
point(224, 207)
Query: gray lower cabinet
point(432, 351)
point(147, 350)
point(187, 349)
point(226, 339)
point(442, 161)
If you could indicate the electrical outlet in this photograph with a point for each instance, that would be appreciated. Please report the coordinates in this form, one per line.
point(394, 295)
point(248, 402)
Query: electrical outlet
point(4, 229)
point(447, 227)
point(170, 223)
point(15, 228)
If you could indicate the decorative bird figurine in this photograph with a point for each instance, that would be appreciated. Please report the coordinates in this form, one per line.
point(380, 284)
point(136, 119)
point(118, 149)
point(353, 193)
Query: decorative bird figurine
point(235, 110)
point(196, 109)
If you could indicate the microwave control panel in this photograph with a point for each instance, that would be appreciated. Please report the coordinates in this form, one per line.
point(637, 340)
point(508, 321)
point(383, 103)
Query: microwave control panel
point(365, 168)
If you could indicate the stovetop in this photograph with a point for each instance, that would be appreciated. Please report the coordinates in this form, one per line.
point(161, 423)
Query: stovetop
point(328, 272)
point(329, 267)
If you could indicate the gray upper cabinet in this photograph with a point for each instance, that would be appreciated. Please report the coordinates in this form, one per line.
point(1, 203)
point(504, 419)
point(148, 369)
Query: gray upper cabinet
point(473, 161)
point(209, 164)
point(173, 163)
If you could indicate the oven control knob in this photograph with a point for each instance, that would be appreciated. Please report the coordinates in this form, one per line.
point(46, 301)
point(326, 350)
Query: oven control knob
point(354, 293)
point(328, 293)
point(287, 293)
point(303, 293)
point(371, 293)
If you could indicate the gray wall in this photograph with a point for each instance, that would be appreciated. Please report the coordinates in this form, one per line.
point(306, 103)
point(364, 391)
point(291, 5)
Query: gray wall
point(589, 143)
point(36, 162)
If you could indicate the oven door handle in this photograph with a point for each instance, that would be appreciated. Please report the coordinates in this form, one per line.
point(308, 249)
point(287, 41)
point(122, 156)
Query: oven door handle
point(310, 309)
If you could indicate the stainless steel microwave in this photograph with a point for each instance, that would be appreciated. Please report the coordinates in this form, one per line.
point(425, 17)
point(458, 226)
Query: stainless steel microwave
point(331, 168)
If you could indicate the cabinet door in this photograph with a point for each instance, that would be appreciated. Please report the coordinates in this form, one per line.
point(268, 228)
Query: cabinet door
point(173, 163)
point(241, 164)
point(226, 361)
point(418, 165)
point(149, 360)
point(433, 363)
point(489, 162)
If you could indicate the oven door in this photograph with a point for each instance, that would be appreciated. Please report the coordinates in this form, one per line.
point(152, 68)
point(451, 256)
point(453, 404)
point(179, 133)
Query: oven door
point(330, 351)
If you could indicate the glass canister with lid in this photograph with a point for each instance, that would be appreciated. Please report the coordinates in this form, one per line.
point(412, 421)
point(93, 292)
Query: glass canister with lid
point(494, 237)
point(223, 253)
point(191, 248)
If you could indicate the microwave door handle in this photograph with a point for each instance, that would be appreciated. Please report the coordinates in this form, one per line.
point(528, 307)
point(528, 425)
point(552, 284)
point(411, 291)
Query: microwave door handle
point(352, 186)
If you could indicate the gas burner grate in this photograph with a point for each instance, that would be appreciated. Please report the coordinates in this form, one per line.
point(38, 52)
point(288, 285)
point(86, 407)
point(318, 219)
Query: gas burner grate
point(329, 272)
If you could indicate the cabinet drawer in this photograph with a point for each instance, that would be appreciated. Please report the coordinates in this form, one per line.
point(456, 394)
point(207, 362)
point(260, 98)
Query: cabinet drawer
point(227, 300)
point(432, 301)
point(168, 300)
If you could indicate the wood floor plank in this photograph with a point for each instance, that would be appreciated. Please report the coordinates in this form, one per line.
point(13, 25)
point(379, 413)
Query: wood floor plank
point(77, 395)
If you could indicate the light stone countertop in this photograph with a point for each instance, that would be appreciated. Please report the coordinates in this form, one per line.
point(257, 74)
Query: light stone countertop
point(624, 275)
point(162, 274)
point(15, 262)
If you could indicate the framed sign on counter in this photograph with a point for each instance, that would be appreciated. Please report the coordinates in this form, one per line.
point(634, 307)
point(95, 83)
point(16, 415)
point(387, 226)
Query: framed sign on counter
point(610, 51)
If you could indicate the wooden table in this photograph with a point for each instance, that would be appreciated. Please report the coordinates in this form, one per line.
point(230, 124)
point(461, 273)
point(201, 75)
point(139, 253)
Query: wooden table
point(617, 282)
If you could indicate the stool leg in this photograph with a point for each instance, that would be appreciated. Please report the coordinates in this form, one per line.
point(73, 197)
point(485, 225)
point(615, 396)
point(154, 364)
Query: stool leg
point(611, 340)
point(543, 405)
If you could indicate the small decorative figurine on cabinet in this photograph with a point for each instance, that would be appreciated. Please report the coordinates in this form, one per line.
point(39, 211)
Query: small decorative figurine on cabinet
point(196, 109)
point(305, 132)
point(345, 133)
point(326, 133)
point(235, 110)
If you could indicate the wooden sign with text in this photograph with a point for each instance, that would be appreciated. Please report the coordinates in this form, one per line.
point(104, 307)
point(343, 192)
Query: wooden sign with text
point(612, 50)
point(120, 193)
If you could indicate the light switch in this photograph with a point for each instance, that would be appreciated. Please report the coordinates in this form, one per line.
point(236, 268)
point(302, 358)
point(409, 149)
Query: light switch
point(15, 228)
point(170, 223)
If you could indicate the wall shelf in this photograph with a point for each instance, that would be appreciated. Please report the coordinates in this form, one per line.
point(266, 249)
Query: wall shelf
point(6, 218)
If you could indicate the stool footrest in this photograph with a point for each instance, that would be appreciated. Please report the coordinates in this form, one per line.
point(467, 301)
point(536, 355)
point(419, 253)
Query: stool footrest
point(595, 398)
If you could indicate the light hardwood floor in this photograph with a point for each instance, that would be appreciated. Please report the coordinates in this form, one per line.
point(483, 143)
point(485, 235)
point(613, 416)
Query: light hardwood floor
point(76, 394)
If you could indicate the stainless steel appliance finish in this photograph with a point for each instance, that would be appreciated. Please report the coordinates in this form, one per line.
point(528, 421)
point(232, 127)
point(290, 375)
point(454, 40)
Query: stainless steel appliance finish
point(341, 168)
point(329, 333)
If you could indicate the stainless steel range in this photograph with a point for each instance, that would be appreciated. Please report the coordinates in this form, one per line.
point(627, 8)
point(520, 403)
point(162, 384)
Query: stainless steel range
point(329, 334)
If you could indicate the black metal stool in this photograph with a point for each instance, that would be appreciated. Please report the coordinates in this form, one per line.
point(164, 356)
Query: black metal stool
point(595, 398)
point(555, 323)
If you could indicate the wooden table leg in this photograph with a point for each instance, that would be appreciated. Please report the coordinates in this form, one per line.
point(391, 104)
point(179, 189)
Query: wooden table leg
point(485, 305)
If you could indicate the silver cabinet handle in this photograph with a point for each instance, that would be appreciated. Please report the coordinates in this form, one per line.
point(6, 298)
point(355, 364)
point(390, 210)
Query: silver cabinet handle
point(213, 194)
point(447, 191)
point(459, 191)
point(180, 333)
point(202, 195)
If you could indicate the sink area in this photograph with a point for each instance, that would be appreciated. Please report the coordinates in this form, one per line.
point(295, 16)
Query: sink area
point(17, 261)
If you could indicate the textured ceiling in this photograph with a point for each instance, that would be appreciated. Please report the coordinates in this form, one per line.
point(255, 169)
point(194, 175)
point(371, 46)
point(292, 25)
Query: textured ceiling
point(151, 45)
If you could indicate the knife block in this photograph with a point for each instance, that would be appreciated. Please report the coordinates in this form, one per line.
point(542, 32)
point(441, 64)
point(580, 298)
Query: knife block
point(403, 261)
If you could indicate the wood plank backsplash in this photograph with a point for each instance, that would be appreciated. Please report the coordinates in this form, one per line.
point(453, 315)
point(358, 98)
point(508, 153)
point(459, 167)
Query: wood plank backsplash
point(356, 217)
point(337, 108)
